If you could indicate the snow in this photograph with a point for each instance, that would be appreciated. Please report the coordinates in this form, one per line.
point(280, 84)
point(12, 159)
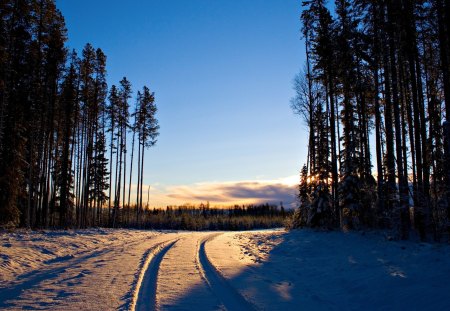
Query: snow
point(334, 271)
point(104, 269)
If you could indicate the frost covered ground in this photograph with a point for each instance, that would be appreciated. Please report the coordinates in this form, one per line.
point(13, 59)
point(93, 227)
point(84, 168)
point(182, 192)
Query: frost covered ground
point(106, 269)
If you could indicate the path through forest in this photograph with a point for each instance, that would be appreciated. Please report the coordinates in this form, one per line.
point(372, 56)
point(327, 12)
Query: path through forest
point(181, 269)
point(165, 271)
point(106, 269)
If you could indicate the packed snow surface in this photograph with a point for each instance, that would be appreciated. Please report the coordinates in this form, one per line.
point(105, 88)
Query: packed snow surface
point(105, 269)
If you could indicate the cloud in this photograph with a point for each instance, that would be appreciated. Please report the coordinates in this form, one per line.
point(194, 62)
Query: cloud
point(259, 191)
point(228, 193)
point(221, 193)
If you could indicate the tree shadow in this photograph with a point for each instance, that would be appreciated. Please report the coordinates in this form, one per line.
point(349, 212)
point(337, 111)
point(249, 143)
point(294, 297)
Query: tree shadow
point(317, 270)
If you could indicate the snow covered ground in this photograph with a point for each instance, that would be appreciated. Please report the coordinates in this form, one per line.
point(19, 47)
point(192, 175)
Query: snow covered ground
point(105, 269)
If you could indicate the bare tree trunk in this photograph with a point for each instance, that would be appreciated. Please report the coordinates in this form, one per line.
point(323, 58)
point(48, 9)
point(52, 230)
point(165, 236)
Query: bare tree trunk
point(124, 135)
point(138, 179)
point(444, 46)
point(131, 164)
point(142, 177)
point(334, 172)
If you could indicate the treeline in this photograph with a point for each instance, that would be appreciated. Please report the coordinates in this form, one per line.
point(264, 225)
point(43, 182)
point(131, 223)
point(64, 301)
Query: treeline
point(203, 217)
point(63, 132)
point(376, 78)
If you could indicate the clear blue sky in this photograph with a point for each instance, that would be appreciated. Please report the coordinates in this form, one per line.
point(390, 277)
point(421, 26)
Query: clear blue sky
point(222, 73)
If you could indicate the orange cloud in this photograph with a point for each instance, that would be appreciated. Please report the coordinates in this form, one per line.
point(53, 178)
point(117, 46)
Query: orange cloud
point(227, 193)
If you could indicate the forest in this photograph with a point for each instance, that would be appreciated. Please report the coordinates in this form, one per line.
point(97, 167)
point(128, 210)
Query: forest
point(63, 130)
point(374, 94)
point(203, 217)
point(366, 228)
point(65, 161)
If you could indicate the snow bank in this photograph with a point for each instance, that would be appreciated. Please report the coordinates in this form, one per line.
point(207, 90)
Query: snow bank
point(272, 270)
point(73, 270)
point(334, 270)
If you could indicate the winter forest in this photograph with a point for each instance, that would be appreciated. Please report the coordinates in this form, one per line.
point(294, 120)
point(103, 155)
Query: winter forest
point(228, 226)
point(72, 148)
point(374, 94)
point(64, 157)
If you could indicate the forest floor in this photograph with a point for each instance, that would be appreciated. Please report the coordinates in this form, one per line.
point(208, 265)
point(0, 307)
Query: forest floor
point(106, 269)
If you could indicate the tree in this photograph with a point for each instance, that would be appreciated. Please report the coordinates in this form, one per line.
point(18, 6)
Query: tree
point(53, 124)
point(69, 101)
point(112, 113)
point(148, 130)
point(383, 66)
point(123, 95)
point(318, 24)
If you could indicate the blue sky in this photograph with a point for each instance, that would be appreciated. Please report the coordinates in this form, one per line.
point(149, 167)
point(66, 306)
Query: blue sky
point(222, 73)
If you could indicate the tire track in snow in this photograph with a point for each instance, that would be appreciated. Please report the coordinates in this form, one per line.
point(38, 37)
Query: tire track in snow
point(228, 295)
point(53, 269)
point(34, 278)
point(144, 297)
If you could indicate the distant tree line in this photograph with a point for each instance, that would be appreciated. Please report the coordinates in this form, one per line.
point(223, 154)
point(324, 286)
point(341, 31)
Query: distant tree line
point(63, 132)
point(376, 78)
point(204, 217)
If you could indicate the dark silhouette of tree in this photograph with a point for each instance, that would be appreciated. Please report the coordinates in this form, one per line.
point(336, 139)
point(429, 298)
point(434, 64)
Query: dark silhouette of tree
point(318, 29)
point(112, 118)
point(148, 130)
point(54, 120)
point(65, 179)
point(122, 122)
point(383, 69)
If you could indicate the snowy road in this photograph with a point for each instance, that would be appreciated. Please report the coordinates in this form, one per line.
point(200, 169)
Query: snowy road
point(181, 268)
point(106, 269)
point(88, 274)
point(121, 271)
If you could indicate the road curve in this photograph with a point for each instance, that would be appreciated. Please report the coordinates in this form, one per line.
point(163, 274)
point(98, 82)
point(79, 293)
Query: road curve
point(180, 282)
point(176, 274)
point(228, 295)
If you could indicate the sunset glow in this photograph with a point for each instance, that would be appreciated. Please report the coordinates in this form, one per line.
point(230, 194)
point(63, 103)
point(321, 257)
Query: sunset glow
point(227, 193)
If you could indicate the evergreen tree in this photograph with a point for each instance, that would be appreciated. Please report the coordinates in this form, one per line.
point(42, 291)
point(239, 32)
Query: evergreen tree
point(383, 66)
point(53, 123)
point(66, 178)
point(122, 109)
point(148, 129)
